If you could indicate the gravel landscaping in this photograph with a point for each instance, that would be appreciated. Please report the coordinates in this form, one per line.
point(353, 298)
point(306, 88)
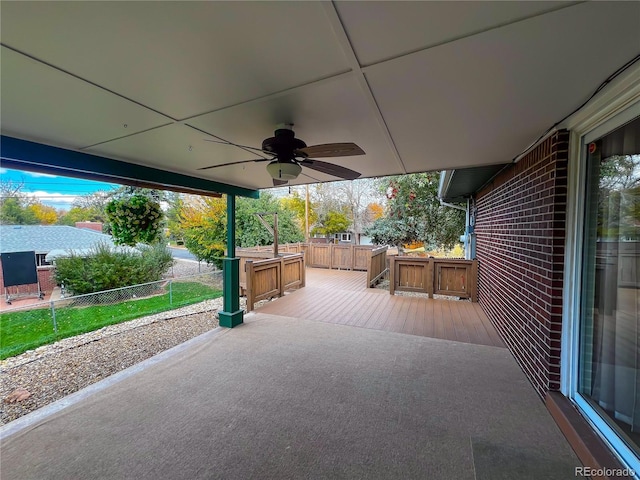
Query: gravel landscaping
point(42, 376)
point(54, 371)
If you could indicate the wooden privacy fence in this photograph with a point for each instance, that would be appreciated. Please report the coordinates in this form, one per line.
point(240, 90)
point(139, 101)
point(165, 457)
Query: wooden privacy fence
point(439, 276)
point(272, 277)
point(320, 255)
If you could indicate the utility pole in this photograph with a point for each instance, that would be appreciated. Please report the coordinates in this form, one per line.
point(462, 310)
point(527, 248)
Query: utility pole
point(306, 215)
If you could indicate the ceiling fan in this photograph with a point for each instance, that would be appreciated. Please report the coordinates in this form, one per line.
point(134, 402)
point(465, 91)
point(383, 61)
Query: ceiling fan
point(288, 154)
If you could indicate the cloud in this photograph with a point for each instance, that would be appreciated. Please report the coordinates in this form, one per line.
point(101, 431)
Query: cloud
point(38, 175)
point(51, 197)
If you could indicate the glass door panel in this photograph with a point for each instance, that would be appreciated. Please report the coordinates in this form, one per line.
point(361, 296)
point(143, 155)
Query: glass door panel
point(609, 364)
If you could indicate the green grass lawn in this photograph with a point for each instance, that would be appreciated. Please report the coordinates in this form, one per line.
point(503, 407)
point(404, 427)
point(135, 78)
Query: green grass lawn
point(29, 329)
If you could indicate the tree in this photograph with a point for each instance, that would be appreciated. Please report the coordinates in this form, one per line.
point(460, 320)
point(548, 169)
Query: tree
point(45, 214)
point(203, 221)
point(14, 205)
point(414, 213)
point(250, 232)
point(13, 212)
point(296, 204)
point(374, 211)
point(135, 217)
point(331, 223)
point(175, 205)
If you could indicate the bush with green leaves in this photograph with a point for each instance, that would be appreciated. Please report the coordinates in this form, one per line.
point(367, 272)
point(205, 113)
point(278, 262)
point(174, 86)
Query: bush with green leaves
point(105, 268)
point(134, 219)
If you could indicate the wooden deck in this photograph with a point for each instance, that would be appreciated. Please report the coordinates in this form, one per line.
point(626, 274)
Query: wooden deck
point(338, 296)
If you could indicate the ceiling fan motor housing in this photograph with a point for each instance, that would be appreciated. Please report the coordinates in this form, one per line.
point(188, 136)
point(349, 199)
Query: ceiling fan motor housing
point(283, 144)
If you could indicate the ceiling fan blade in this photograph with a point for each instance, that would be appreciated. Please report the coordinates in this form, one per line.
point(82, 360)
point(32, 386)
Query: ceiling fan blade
point(235, 163)
point(330, 169)
point(226, 142)
point(279, 183)
point(331, 150)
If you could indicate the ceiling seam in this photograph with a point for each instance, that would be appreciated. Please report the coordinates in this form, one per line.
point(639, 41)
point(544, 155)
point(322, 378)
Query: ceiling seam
point(127, 136)
point(364, 68)
point(347, 48)
point(270, 96)
point(78, 77)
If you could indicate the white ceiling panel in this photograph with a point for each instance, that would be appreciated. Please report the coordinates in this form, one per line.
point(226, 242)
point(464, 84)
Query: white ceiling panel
point(43, 104)
point(383, 30)
point(182, 149)
point(180, 58)
point(418, 85)
point(483, 99)
point(335, 110)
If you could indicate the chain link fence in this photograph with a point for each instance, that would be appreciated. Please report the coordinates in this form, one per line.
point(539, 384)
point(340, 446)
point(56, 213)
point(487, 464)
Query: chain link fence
point(29, 326)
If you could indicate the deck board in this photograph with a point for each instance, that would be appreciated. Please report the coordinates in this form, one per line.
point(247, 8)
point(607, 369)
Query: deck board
point(341, 297)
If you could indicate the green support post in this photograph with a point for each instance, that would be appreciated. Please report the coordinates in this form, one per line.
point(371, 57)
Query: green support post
point(231, 316)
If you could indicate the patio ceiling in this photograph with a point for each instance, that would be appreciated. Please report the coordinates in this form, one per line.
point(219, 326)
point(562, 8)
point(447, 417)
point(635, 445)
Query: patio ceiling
point(419, 86)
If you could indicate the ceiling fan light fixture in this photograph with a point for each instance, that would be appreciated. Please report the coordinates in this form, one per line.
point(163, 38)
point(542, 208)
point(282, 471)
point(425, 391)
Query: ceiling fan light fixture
point(284, 171)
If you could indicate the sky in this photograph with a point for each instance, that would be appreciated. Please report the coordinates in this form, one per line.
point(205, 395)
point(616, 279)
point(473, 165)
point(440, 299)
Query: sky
point(56, 191)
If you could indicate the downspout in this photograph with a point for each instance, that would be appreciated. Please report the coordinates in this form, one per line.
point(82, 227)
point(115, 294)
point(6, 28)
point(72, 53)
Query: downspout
point(465, 237)
point(231, 316)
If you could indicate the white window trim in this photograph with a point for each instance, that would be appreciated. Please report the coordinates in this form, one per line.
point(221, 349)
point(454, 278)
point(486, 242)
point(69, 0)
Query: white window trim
point(617, 104)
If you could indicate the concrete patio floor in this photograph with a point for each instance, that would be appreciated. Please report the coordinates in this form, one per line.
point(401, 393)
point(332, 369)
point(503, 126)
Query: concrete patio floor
point(284, 398)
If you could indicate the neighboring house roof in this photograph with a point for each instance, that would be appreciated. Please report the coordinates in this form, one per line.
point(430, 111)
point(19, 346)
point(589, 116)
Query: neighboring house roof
point(44, 238)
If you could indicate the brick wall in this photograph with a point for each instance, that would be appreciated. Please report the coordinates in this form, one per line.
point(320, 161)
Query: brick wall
point(520, 232)
point(97, 226)
point(45, 277)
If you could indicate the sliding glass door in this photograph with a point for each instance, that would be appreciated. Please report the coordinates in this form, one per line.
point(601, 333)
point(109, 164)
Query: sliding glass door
point(608, 364)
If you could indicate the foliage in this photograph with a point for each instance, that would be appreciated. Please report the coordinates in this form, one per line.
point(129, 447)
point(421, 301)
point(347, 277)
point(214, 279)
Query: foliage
point(204, 225)
point(105, 268)
point(619, 198)
point(349, 197)
point(250, 232)
point(175, 205)
point(135, 218)
point(88, 208)
point(26, 330)
point(81, 214)
point(45, 214)
point(414, 213)
point(331, 223)
point(13, 211)
point(296, 204)
point(375, 211)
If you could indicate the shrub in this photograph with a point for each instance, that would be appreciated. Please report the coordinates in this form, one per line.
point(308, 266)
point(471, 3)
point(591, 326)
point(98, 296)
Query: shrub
point(105, 268)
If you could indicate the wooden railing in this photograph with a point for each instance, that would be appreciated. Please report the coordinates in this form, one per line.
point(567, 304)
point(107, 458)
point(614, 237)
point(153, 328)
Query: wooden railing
point(435, 276)
point(272, 277)
point(377, 266)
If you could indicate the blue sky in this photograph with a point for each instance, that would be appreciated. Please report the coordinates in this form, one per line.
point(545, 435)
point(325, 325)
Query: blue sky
point(56, 191)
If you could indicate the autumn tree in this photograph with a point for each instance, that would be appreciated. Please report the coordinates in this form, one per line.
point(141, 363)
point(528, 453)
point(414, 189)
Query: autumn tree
point(45, 214)
point(414, 213)
point(296, 204)
point(203, 221)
